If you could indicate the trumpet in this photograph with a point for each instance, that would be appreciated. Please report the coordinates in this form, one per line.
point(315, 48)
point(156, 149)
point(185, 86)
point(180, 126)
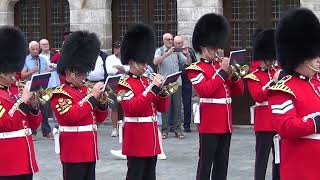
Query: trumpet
point(237, 69)
point(104, 97)
point(168, 90)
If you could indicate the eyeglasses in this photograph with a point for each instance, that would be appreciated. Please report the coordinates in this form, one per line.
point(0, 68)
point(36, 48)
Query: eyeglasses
point(169, 39)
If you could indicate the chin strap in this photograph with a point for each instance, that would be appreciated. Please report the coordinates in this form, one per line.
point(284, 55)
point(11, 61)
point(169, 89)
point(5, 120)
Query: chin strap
point(75, 79)
point(312, 68)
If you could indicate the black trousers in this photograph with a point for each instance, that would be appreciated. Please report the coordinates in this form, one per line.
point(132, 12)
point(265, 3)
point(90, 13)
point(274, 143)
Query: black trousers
point(45, 127)
point(186, 100)
point(264, 143)
point(79, 171)
point(213, 156)
point(19, 177)
point(141, 168)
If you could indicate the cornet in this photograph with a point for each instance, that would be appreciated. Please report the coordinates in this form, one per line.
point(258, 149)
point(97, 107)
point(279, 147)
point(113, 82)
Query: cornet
point(40, 97)
point(104, 98)
point(237, 69)
point(168, 90)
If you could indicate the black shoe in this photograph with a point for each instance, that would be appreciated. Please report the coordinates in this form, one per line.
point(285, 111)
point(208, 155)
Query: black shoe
point(188, 130)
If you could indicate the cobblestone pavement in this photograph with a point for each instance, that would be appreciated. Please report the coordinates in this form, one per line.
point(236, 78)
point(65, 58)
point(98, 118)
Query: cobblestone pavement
point(181, 163)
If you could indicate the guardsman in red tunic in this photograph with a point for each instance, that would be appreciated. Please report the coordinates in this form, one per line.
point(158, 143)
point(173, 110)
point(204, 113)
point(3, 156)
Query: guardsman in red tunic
point(78, 110)
point(17, 118)
point(259, 81)
point(295, 99)
point(214, 84)
point(140, 104)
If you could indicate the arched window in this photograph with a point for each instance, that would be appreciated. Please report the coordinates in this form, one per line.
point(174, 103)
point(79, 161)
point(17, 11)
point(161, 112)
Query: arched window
point(43, 19)
point(160, 14)
point(245, 16)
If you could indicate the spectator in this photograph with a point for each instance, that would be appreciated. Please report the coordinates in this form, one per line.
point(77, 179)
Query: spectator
point(168, 62)
point(47, 54)
point(36, 64)
point(113, 67)
point(186, 84)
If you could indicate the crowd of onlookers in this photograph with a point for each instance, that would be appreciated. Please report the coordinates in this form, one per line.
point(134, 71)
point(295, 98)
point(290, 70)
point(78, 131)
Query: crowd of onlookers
point(170, 58)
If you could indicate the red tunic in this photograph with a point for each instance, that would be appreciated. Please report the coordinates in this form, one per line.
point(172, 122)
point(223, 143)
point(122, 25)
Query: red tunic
point(73, 107)
point(293, 101)
point(140, 139)
point(15, 152)
point(258, 85)
point(210, 81)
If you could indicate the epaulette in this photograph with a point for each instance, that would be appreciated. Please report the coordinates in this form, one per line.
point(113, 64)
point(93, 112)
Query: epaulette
point(60, 90)
point(280, 85)
point(194, 66)
point(123, 82)
point(252, 77)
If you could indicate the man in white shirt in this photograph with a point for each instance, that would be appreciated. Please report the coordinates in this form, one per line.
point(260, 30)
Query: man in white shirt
point(47, 54)
point(98, 73)
point(113, 67)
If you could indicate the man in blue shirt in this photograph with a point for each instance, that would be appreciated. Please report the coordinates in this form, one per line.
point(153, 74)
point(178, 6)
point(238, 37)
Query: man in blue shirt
point(36, 64)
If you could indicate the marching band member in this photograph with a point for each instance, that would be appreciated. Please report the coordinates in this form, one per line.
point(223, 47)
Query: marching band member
point(17, 118)
point(295, 99)
point(77, 110)
point(212, 80)
point(259, 81)
point(140, 104)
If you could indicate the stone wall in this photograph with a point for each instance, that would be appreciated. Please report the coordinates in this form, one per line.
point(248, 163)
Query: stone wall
point(7, 12)
point(92, 15)
point(189, 11)
point(314, 5)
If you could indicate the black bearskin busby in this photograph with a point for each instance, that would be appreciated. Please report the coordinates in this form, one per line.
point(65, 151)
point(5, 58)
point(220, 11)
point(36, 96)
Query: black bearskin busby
point(138, 44)
point(264, 45)
point(211, 30)
point(79, 52)
point(297, 38)
point(12, 49)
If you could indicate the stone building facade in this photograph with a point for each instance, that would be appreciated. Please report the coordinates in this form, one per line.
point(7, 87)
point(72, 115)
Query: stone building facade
point(96, 15)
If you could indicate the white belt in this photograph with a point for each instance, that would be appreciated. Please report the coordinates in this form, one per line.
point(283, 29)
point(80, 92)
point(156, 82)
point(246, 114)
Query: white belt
point(264, 103)
point(140, 119)
point(312, 136)
point(15, 134)
point(87, 128)
point(216, 101)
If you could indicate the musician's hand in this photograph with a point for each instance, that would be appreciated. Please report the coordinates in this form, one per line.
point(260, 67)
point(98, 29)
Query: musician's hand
point(158, 80)
point(97, 89)
point(26, 94)
point(225, 65)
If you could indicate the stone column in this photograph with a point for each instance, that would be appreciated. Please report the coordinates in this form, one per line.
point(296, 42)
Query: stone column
point(94, 16)
point(314, 5)
point(189, 11)
point(7, 12)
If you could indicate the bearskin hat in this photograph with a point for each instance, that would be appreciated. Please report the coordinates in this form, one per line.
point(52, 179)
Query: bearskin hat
point(264, 45)
point(297, 38)
point(79, 52)
point(211, 30)
point(138, 44)
point(12, 49)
